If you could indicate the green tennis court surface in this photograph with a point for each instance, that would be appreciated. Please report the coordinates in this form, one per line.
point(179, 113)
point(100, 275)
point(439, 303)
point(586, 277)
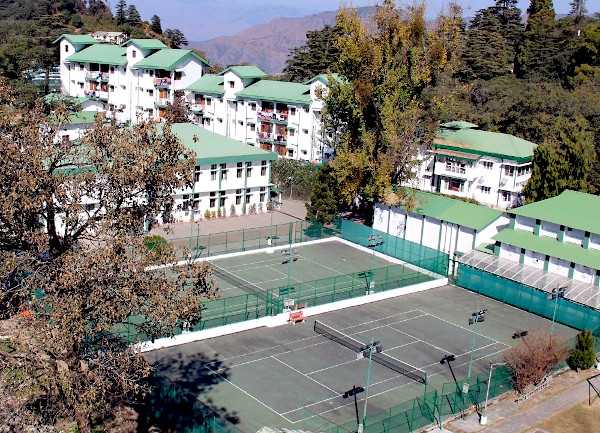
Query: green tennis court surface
point(303, 267)
point(291, 376)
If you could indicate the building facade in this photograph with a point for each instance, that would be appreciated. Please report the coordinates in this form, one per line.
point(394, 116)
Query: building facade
point(490, 167)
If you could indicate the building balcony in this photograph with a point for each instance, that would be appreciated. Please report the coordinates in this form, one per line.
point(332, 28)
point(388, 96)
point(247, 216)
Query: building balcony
point(98, 95)
point(455, 172)
point(197, 108)
point(98, 77)
point(277, 118)
point(270, 138)
point(162, 102)
point(162, 83)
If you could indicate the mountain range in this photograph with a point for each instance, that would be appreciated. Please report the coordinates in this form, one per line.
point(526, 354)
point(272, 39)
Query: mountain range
point(265, 45)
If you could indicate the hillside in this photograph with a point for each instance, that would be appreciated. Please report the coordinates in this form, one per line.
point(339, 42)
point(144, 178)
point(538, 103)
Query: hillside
point(265, 45)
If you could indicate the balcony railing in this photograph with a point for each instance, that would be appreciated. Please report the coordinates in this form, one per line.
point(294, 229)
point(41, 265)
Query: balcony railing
point(197, 108)
point(265, 116)
point(162, 102)
point(268, 137)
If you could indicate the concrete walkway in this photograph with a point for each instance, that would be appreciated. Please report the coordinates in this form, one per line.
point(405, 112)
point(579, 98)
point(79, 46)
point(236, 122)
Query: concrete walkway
point(507, 416)
point(290, 210)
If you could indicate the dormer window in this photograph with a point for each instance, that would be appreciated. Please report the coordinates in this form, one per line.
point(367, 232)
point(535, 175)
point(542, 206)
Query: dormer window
point(177, 75)
point(66, 48)
point(133, 53)
point(231, 84)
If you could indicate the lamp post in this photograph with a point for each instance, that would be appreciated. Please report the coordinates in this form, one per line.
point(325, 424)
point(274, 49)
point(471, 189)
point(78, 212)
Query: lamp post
point(483, 419)
point(446, 360)
point(352, 392)
point(474, 319)
point(373, 241)
point(374, 345)
point(557, 292)
point(272, 204)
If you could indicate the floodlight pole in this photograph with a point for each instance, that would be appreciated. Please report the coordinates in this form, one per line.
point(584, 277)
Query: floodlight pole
point(483, 419)
point(557, 292)
point(272, 203)
point(372, 241)
point(370, 348)
point(476, 318)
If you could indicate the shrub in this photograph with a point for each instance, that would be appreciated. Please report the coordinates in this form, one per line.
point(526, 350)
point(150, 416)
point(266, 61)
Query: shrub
point(260, 208)
point(206, 214)
point(583, 356)
point(219, 213)
point(244, 209)
point(213, 214)
point(232, 210)
point(157, 248)
point(253, 209)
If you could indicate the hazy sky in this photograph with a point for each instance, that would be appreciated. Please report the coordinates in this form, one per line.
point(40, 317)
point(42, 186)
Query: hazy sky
point(206, 19)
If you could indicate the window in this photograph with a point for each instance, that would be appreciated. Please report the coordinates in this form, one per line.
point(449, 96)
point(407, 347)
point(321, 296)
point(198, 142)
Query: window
point(177, 75)
point(133, 53)
point(208, 101)
point(66, 138)
point(262, 197)
point(306, 109)
point(292, 111)
point(252, 127)
point(248, 169)
point(90, 207)
point(150, 92)
point(505, 196)
point(238, 196)
point(222, 199)
point(223, 171)
point(231, 84)
point(263, 168)
point(525, 169)
point(112, 69)
point(239, 170)
point(248, 196)
point(290, 153)
point(81, 67)
point(455, 185)
point(253, 106)
point(488, 165)
point(197, 172)
point(509, 170)
point(291, 132)
point(207, 122)
point(111, 88)
point(305, 131)
point(241, 103)
point(486, 189)
point(456, 167)
point(122, 86)
point(213, 172)
point(81, 85)
point(213, 199)
point(219, 119)
point(66, 48)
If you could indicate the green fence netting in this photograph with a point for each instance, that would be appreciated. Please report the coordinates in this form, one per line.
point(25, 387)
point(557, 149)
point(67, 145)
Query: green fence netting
point(410, 252)
point(528, 298)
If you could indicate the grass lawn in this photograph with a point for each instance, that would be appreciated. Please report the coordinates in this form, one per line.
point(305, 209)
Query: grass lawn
point(581, 418)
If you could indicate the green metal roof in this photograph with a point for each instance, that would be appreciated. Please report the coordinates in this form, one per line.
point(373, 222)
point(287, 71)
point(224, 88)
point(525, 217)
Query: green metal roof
point(167, 59)
point(78, 39)
point(459, 124)
point(82, 117)
point(469, 215)
point(105, 54)
point(145, 44)
point(211, 148)
point(573, 209)
point(246, 72)
point(324, 78)
point(549, 246)
point(463, 137)
point(278, 91)
point(209, 83)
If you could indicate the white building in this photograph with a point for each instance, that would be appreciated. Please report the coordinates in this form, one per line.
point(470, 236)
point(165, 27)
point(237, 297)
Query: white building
point(109, 37)
point(277, 116)
point(447, 225)
point(135, 80)
point(229, 176)
point(490, 167)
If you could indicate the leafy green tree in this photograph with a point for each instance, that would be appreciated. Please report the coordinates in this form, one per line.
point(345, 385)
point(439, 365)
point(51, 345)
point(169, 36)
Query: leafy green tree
point(323, 205)
point(176, 38)
point(317, 56)
point(295, 178)
point(583, 356)
point(155, 25)
point(121, 12)
point(561, 162)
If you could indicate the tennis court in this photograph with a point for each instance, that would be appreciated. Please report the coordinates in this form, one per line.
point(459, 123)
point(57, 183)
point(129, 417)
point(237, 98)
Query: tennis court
point(291, 376)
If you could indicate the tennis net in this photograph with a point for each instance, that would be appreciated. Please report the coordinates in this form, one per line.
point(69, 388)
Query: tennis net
point(338, 337)
point(403, 368)
point(239, 283)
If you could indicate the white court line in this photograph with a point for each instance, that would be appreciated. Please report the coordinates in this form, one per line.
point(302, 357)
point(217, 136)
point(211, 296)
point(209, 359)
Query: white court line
point(248, 394)
point(305, 375)
point(323, 266)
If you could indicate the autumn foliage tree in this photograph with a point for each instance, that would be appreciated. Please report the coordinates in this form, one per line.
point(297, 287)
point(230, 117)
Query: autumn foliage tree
point(533, 357)
point(72, 268)
point(377, 108)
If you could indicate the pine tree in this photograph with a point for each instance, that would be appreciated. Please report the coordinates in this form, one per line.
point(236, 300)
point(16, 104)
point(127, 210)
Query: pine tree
point(121, 12)
point(176, 37)
point(155, 24)
point(583, 356)
point(540, 42)
point(133, 16)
